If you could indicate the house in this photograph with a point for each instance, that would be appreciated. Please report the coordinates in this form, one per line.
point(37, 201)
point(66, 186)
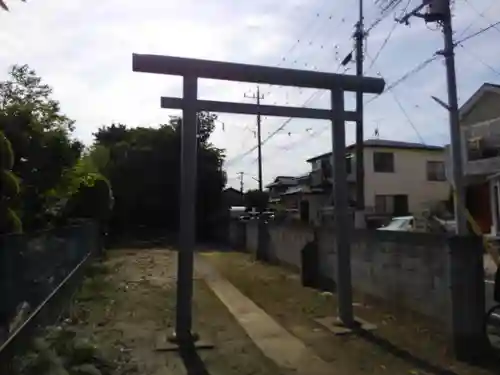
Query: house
point(233, 197)
point(278, 187)
point(400, 178)
point(480, 134)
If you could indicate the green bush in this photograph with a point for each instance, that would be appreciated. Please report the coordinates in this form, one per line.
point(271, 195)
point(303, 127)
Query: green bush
point(9, 189)
point(6, 153)
point(10, 221)
point(9, 184)
point(93, 200)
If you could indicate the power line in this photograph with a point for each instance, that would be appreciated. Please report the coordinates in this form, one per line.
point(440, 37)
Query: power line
point(473, 55)
point(493, 2)
point(481, 14)
point(473, 35)
point(301, 40)
point(387, 38)
point(315, 95)
point(403, 110)
point(389, 88)
point(404, 77)
point(309, 26)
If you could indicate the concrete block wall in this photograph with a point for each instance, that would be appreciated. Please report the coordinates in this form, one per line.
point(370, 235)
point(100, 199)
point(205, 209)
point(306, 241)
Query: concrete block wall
point(237, 234)
point(408, 270)
point(252, 237)
point(434, 275)
point(287, 241)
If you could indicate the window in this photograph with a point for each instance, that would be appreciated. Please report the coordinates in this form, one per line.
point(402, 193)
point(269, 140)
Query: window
point(391, 204)
point(383, 162)
point(436, 171)
point(384, 204)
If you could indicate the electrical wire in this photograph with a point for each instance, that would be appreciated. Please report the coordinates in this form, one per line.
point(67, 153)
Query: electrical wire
point(387, 38)
point(316, 95)
point(389, 88)
point(319, 25)
point(481, 14)
point(476, 57)
point(309, 26)
point(388, 5)
point(477, 33)
point(404, 77)
point(401, 107)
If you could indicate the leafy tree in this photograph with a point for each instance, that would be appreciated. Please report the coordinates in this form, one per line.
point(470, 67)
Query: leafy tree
point(9, 189)
point(256, 199)
point(144, 170)
point(41, 139)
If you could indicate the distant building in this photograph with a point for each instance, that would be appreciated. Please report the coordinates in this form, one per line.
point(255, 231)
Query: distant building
point(278, 187)
point(401, 178)
point(233, 197)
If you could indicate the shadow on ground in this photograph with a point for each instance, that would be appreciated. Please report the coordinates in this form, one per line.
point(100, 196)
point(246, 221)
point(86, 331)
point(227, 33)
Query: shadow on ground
point(192, 362)
point(490, 360)
point(404, 354)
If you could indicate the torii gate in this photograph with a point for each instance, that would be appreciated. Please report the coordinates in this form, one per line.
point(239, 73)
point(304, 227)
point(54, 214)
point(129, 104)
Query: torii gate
point(191, 70)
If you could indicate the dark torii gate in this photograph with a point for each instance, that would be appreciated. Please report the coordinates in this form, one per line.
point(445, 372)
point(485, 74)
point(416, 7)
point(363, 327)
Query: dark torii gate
point(191, 70)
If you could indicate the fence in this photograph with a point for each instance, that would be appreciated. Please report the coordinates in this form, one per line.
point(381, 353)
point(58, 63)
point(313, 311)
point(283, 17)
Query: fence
point(34, 268)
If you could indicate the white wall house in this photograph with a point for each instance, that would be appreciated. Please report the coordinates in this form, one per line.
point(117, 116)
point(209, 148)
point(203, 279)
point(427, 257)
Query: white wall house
point(400, 177)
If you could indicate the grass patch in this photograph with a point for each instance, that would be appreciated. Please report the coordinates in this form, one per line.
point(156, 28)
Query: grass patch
point(400, 345)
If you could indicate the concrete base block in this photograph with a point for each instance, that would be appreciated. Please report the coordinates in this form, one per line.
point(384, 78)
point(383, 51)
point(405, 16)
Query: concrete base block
point(169, 343)
point(333, 324)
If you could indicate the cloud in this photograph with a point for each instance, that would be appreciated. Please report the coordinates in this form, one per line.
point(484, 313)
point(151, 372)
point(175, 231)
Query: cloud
point(83, 50)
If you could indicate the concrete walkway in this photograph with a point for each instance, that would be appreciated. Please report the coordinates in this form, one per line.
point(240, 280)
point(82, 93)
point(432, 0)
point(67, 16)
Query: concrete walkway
point(286, 350)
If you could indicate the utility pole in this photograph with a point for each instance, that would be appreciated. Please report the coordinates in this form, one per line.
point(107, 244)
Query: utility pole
point(440, 11)
point(258, 97)
point(241, 181)
point(359, 35)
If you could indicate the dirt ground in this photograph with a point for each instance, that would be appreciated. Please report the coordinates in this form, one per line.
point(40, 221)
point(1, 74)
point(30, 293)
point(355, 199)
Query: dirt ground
point(130, 307)
point(401, 344)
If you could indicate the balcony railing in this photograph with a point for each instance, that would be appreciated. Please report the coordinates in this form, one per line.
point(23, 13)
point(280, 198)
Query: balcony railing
point(480, 149)
point(317, 178)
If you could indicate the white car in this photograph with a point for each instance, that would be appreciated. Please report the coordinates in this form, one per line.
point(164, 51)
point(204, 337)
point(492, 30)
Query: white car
point(400, 224)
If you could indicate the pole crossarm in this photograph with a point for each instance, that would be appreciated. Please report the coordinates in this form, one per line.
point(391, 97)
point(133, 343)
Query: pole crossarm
point(264, 110)
point(226, 71)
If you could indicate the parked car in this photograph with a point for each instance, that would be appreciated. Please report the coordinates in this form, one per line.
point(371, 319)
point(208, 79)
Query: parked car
point(400, 224)
point(407, 224)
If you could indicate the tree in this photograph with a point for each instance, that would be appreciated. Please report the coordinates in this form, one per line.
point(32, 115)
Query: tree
point(41, 139)
point(256, 199)
point(9, 189)
point(144, 170)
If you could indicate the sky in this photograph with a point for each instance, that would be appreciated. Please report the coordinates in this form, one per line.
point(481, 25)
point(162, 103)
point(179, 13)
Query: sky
point(83, 50)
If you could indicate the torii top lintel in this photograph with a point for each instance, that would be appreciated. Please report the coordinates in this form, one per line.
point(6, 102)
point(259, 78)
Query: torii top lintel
point(254, 73)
